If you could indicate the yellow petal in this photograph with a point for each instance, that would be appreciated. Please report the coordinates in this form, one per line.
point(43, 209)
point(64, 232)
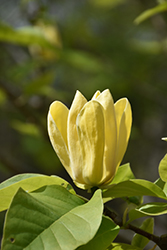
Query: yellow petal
point(90, 125)
point(82, 186)
point(124, 121)
point(97, 93)
point(109, 167)
point(73, 141)
point(59, 113)
point(57, 129)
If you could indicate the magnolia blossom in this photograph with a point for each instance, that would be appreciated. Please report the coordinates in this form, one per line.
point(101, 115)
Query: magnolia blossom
point(91, 137)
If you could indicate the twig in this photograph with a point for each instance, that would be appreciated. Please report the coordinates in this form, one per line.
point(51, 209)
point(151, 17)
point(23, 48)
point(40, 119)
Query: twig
point(160, 241)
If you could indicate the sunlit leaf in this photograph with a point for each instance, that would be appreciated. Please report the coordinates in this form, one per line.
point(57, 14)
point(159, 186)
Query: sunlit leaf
point(105, 235)
point(31, 224)
point(57, 197)
point(124, 173)
point(163, 168)
point(48, 203)
point(151, 12)
point(26, 128)
point(25, 36)
point(149, 209)
point(139, 240)
point(28, 182)
point(134, 187)
point(163, 185)
point(122, 246)
point(148, 46)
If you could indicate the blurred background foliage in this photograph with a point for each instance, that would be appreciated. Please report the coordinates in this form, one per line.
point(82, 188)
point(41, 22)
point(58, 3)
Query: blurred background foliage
point(51, 48)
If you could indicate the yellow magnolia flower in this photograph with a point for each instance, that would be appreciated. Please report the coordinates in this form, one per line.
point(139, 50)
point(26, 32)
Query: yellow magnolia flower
point(91, 137)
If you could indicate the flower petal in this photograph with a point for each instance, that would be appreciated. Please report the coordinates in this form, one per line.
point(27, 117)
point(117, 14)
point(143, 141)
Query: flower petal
point(59, 113)
point(96, 94)
point(82, 186)
point(109, 167)
point(124, 121)
point(57, 129)
point(90, 126)
point(72, 135)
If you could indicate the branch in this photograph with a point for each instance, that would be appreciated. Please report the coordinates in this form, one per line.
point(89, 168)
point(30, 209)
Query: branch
point(160, 241)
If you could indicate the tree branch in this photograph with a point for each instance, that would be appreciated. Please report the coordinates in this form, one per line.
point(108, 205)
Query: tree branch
point(160, 241)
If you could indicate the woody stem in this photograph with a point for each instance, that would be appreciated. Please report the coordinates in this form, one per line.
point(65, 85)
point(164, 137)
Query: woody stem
point(160, 241)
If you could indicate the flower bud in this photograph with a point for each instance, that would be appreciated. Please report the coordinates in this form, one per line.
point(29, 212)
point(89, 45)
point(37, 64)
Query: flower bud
point(91, 137)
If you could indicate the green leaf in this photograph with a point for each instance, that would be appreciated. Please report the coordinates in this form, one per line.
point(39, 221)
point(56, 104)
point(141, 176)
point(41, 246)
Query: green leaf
point(122, 246)
point(134, 187)
point(26, 128)
point(136, 200)
point(163, 185)
point(149, 209)
point(105, 235)
point(50, 202)
point(139, 240)
point(57, 198)
point(147, 46)
point(24, 36)
point(31, 224)
point(28, 182)
point(149, 13)
point(124, 173)
point(163, 168)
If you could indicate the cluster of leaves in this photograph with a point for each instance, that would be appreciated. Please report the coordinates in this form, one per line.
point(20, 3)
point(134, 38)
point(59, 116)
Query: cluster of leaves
point(44, 212)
